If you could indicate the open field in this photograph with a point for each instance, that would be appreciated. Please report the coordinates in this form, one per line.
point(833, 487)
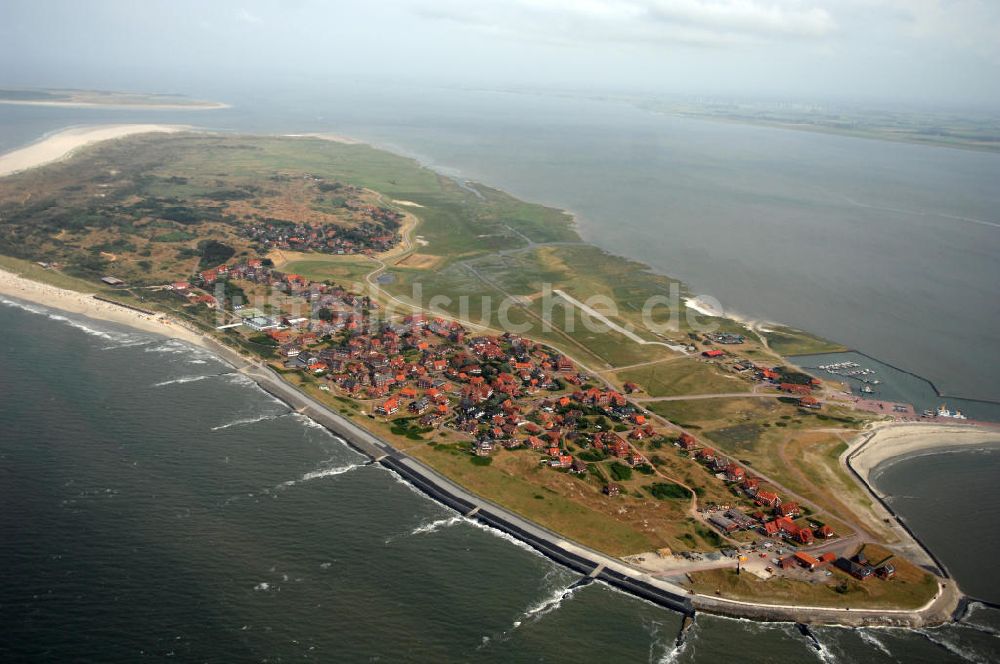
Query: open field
point(684, 376)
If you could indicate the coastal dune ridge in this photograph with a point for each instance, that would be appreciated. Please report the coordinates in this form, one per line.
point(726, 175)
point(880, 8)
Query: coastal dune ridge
point(62, 144)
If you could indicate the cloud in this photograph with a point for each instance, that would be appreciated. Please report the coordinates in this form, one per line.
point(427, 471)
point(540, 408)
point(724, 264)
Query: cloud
point(246, 17)
point(701, 22)
point(969, 24)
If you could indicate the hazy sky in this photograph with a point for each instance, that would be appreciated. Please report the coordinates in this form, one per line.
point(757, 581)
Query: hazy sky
point(937, 51)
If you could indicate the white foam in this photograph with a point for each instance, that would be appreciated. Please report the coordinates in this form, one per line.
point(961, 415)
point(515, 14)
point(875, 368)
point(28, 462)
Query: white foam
point(322, 472)
point(671, 656)
point(313, 424)
point(953, 648)
point(92, 331)
point(180, 381)
point(868, 637)
point(329, 472)
point(245, 421)
point(537, 611)
point(434, 526)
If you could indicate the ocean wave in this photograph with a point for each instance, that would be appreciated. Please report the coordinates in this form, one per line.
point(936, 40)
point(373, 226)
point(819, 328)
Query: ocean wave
point(868, 637)
point(181, 381)
point(951, 647)
point(472, 522)
point(323, 472)
point(330, 472)
point(536, 612)
point(59, 318)
point(434, 526)
point(169, 347)
point(245, 421)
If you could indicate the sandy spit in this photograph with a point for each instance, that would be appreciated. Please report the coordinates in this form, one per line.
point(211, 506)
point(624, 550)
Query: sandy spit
point(62, 144)
point(208, 106)
point(897, 440)
point(336, 138)
point(16, 286)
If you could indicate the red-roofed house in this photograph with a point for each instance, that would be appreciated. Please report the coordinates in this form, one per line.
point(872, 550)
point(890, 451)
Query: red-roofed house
point(767, 499)
point(388, 407)
point(789, 509)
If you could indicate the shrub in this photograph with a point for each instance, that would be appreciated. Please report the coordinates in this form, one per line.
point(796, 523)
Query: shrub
point(620, 471)
point(667, 491)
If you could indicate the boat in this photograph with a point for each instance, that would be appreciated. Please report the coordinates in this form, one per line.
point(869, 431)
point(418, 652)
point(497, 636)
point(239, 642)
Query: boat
point(867, 389)
point(943, 411)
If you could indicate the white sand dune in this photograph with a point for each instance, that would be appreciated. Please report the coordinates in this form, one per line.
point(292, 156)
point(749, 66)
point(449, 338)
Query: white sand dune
point(62, 144)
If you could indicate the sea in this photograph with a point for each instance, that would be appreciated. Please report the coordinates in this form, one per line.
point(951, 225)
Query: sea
point(157, 505)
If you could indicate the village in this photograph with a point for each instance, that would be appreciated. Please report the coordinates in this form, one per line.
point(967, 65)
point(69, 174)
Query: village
point(506, 393)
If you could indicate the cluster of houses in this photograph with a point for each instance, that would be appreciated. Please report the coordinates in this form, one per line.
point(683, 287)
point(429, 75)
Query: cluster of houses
point(365, 238)
point(859, 567)
point(502, 392)
point(773, 377)
point(773, 518)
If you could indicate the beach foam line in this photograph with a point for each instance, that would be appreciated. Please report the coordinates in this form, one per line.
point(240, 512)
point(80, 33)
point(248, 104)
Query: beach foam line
point(59, 318)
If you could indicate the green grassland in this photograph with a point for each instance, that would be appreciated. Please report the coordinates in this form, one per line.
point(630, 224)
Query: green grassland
point(787, 341)
point(682, 376)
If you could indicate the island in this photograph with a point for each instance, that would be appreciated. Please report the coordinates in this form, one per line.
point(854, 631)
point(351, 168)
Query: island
point(472, 343)
point(104, 98)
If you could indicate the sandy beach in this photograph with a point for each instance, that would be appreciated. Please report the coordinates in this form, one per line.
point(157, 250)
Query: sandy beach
point(897, 440)
point(892, 441)
point(16, 286)
point(326, 136)
point(62, 144)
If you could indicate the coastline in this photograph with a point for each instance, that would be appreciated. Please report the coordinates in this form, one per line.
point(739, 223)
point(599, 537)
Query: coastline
point(18, 287)
point(415, 472)
point(62, 144)
point(887, 442)
point(594, 565)
point(894, 441)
